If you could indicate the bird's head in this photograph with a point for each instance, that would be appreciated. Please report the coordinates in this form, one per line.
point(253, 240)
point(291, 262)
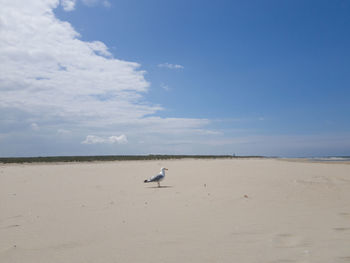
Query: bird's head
point(164, 169)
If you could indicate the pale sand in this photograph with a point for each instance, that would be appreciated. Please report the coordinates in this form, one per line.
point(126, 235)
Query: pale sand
point(103, 212)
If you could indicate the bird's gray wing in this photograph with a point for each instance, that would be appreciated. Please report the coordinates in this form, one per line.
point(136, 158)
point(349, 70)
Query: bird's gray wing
point(156, 178)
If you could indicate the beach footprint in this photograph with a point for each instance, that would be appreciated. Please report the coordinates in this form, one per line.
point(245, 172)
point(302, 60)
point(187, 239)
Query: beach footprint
point(290, 261)
point(341, 229)
point(12, 226)
point(287, 240)
point(316, 181)
point(344, 259)
point(344, 214)
point(10, 222)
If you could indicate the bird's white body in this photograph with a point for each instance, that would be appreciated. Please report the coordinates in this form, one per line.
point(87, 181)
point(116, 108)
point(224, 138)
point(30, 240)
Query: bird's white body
point(157, 178)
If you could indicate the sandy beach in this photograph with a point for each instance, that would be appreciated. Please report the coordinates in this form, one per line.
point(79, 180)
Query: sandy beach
point(238, 210)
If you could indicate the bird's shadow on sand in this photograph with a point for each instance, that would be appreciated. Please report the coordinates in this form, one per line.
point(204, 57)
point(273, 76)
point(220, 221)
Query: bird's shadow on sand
point(162, 186)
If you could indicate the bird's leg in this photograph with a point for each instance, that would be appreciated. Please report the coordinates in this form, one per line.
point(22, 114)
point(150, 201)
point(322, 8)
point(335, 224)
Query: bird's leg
point(158, 184)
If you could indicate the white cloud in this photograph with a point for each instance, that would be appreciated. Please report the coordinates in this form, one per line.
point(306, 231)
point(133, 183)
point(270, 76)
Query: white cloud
point(165, 87)
point(106, 3)
point(68, 5)
point(209, 132)
point(57, 75)
point(99, 48)
point(35, 127)
point(51, 78)
point(118, 139)
point(90, 3)
point(63, 131)
point(92, 139)
point(170, 66)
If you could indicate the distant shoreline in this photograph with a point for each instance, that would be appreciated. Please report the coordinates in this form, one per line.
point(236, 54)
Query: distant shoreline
point(103, 158)
point(328, 160)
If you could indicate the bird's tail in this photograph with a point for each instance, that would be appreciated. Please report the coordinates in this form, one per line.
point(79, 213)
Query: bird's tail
point(146, 181)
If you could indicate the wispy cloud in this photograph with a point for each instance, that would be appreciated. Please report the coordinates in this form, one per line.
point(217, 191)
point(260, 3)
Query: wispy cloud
point(90, 2)
point(35, 127)
point(105, 3)
point(68, 5)
point(165, 87)
point(170, 66)
point(63, 132)
point(92, 139)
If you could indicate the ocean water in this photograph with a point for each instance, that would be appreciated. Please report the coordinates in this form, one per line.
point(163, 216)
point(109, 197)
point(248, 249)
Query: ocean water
point(331, 159)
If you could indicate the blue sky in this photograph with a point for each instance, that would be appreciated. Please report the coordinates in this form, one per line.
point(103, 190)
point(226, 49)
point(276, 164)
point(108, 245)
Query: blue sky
point(182, 77)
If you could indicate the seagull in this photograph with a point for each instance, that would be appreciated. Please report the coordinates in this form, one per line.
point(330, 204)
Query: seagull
point(157, 178)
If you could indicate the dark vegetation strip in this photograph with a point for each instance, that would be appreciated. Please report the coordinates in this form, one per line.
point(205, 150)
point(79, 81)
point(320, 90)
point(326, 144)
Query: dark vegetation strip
point(51, 159)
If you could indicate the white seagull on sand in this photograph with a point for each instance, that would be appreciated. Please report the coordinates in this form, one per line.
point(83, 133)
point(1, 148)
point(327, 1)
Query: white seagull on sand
point(157, 178)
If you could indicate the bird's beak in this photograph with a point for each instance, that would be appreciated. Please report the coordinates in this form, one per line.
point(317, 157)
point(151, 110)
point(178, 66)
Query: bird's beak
point(166, 169)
